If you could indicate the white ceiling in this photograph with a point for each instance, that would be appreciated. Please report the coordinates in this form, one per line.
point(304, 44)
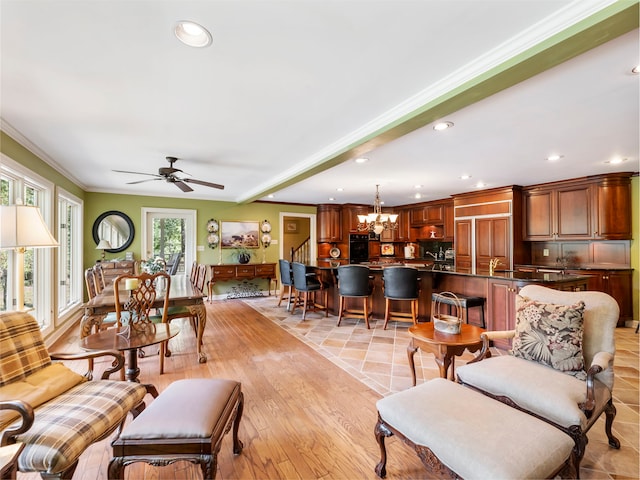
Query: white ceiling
point(289, 88)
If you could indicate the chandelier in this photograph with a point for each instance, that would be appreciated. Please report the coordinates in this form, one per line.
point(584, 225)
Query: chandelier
point(377, 222)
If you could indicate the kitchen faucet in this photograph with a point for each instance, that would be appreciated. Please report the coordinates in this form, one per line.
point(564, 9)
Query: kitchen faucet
point(493, 263)
point(432, 254)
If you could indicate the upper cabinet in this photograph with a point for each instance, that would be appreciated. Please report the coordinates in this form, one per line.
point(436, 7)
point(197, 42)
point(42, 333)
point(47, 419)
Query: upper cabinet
point(426, 214)
point(597, 207)
point(329, 223)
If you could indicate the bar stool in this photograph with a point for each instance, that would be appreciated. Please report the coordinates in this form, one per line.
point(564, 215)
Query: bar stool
point(465, 302)
point(286, 280)
point(306, 282)
point(355, 281)
point(401, 284)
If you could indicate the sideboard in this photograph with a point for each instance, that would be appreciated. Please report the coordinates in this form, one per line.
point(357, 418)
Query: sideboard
point(239, 272)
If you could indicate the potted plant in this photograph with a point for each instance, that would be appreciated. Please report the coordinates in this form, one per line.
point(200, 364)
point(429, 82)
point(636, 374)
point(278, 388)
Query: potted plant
point(243, 254)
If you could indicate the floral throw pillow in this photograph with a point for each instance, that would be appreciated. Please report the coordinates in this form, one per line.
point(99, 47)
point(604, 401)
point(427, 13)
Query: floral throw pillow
point(550, 334)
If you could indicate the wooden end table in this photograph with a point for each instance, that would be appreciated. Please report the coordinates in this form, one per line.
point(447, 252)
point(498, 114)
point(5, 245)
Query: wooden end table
point(110, 340)
point(445, 346)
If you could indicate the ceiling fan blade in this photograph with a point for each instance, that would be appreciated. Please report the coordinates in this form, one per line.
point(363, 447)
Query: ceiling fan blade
point(135, 173)
point(182, 186)
point(201, 182)
point(145, 180)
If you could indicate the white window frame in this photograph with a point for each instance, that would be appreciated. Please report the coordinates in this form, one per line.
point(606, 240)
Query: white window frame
point(44, 283)
point(191, 220)
point(75, 254)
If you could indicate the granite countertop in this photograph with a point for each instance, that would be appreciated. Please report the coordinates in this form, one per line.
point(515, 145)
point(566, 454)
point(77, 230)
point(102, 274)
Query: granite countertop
point(584, 266)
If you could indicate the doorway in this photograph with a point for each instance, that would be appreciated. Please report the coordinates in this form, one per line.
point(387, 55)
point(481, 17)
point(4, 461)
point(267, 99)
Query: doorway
point(298, 235)
point(169, 234)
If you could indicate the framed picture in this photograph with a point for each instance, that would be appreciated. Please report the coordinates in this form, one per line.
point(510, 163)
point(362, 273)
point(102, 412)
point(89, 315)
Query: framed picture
point(240, 234)
point(387, 249)
point(291, 226)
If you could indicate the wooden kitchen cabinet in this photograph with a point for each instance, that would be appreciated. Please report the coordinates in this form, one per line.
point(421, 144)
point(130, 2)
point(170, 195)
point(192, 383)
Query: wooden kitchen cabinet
point(597, 207)
point(612, 197)
point(329, 223)
point(403, 233)
point(464, 245)
point(350, 214)
point(449, 229)
point(501, 308)
point(426, 214)
point(492, 240)
point(617, 283)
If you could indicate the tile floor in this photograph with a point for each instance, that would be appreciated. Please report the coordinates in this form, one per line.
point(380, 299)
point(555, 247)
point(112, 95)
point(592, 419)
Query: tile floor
point(378, 358)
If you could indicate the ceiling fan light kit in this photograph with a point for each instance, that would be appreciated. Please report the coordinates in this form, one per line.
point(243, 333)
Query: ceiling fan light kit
point(168, 174)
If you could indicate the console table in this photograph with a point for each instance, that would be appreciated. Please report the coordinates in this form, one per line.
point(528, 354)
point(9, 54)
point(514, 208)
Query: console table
point(226, 272)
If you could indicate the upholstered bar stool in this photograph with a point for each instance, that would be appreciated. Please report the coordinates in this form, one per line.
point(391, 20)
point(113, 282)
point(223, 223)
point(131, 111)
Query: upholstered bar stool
point(400, 284)
point(354, 281)
point(286, 280)
point(465, 303)
point(306, 282)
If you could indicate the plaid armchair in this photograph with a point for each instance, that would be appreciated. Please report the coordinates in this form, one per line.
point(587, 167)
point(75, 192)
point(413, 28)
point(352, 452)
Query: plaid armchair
point(55, 412)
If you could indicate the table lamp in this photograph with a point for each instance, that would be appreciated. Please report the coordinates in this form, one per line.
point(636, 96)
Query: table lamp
point(22, 227)
point(103, 245)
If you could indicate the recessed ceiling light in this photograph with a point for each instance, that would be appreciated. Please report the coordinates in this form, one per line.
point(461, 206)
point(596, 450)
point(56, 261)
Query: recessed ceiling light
point(554, 157)
point(361, 160)
point(616, 160)
point(331, 199)
point(442, 125)
point(339, 189)
point(636, 69)
point(192, 34)
point(271, 195)
point(481, 185)
point(417, 186)
point(417, 195)
point(465, 177)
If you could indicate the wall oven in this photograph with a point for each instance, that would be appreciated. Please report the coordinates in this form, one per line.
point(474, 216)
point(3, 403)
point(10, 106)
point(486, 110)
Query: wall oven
point(358, 247)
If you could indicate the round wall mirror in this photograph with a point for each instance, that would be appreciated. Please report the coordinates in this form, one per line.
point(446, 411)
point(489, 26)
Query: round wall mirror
point(116, 228)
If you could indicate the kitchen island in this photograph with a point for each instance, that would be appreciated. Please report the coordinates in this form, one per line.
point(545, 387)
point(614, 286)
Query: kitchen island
point(499, 290)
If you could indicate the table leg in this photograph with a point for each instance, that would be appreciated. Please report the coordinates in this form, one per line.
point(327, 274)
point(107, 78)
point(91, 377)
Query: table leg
point(132, 372)
point(411, 351)
point(201, 312)
point(443, 360)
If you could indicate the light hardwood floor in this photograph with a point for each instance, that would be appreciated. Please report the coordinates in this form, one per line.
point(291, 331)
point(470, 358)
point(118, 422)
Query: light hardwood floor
point(305, 417)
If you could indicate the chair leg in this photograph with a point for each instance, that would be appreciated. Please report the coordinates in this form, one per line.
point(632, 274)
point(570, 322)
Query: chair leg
point(340, 311)
point(295, 302)
point(163, 348)
point(386, 312)
point(305, 302)
point(610, 413)
point(414, 311)
point(365, 310)
point(281, 295)
point(326, 302)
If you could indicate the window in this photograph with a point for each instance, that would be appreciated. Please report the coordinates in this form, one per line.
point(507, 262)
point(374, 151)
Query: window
point(20, 184)
point(70, 275)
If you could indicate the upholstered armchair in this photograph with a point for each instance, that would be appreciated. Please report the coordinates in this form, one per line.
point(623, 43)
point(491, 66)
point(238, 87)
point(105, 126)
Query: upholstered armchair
point(547, 372)
point(55, 412)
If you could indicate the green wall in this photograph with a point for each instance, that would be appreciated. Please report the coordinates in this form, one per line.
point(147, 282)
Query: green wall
point(97, 203)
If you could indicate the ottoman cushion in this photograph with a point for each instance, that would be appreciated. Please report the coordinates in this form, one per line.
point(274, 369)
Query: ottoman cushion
point(474, 435)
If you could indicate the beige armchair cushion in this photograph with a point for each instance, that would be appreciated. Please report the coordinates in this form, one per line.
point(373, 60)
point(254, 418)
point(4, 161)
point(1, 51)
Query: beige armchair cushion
point(38, 388)
point(542, 390)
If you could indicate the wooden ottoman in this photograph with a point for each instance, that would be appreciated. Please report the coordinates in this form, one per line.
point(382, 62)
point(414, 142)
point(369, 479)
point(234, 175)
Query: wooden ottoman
point(186, 422)
point(460, 433)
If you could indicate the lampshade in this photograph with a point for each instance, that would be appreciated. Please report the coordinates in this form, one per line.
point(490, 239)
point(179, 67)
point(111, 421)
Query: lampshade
point(103, 245)
point(23, 226)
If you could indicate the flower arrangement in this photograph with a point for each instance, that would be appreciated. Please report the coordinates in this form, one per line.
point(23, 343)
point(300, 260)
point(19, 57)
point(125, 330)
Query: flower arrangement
point(153, 265)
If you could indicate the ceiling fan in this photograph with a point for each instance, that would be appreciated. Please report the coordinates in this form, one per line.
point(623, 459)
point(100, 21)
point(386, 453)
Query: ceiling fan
point(168, 174)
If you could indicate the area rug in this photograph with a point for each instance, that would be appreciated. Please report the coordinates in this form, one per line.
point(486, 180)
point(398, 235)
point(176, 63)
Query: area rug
point(376, 357)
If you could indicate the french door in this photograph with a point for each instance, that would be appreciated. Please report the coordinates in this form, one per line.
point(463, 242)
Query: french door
point(170, 234)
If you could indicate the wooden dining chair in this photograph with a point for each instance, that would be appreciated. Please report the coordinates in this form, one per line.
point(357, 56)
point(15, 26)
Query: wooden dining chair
point(139, 303)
